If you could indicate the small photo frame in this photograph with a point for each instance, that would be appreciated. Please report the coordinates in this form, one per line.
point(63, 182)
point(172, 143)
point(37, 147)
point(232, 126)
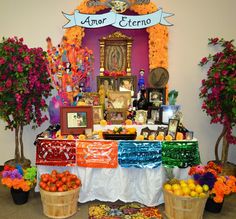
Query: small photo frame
point(172, 127)
point(74, 120)
point(127, 83)
point(108, 82)
point(189, 136)
point(167, 112)
point(97, 114)
point(91, 98)
point(145, 132)
point(162, 130)
point(153, 132)
point(154, 114)
point(141, 117)
point(156, 96)
point(118, 99)
point(116, 116)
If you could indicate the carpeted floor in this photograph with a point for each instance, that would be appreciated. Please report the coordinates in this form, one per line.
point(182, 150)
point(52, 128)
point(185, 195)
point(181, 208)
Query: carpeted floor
point(33, 208)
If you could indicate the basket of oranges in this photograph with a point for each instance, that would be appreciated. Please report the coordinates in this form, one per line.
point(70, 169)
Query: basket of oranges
point(59, 193)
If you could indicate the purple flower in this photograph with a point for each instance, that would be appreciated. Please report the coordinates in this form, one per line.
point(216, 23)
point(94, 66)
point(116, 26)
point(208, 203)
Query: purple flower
point(208, 179)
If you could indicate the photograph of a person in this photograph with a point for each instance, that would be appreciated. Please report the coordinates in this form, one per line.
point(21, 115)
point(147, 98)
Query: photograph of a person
point(76, 120)
point(116, 116)
point(97, 114)
point(172, 127)
point(127, 83)
point(155, 96)
point(107, 82)
point(141, 117)
point(117, 100)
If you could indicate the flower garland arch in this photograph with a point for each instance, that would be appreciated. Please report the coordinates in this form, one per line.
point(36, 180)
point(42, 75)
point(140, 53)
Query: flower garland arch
point(158, 34)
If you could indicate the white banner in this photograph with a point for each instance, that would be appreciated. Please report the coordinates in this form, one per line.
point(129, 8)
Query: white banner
point(117, 20)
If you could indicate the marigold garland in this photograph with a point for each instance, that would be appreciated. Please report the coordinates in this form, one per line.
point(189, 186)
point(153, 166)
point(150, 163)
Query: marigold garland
point(158, 34)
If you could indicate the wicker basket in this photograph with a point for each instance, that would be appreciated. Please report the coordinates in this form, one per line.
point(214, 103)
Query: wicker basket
point(179, 207)
point(59, 204)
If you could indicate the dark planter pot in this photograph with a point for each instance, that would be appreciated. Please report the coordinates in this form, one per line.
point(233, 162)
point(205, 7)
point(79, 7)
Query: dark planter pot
point(19, 196)
point(212, 206)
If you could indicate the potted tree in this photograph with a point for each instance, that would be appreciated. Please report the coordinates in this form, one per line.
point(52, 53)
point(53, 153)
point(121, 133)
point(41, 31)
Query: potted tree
point(24, 85)
point(218, 92)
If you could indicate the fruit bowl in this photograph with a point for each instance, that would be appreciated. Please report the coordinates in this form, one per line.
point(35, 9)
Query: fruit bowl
point(109, 136)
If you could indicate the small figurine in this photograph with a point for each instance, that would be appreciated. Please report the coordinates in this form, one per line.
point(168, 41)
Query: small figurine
point(141, 81)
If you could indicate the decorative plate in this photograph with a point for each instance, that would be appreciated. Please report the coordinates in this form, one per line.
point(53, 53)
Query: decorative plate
point(158, 77)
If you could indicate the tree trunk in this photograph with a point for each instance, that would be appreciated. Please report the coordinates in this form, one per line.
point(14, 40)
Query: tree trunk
point(22, 157)
point(223, 133)
point(17, 151)
point(225, 150)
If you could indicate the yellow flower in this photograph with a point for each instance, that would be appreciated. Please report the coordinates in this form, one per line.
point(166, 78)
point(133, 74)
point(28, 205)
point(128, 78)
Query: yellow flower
point(168, 138)
point(70, 137)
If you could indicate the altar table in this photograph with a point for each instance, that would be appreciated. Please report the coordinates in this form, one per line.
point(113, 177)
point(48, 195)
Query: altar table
point(143, 185)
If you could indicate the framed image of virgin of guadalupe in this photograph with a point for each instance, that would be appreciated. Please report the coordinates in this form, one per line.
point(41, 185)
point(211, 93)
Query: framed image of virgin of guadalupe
point(115, 53)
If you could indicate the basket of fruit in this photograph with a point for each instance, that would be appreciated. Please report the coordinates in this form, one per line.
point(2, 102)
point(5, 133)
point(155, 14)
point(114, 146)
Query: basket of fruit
point(120, 133)
point(184, 199)
point(59, 194)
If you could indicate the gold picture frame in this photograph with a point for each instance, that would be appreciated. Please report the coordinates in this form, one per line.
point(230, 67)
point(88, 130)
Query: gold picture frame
point(115, 53)
point(141, 117)
point(118, 99)
point(97, 114)
point(116, 116)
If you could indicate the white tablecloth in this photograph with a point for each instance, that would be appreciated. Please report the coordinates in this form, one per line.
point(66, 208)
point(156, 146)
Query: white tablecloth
point(125, 184)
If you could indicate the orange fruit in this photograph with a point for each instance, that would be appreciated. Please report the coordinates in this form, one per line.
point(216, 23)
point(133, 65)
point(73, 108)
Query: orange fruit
point(160, 137)
point(168, 138)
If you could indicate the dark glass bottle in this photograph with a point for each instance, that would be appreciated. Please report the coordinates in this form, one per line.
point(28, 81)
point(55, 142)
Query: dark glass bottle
point(142, 103)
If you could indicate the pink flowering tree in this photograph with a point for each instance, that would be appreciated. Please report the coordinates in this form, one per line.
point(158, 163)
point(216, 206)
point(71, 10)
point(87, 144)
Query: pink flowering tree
point(24, 86)
point(218, 91)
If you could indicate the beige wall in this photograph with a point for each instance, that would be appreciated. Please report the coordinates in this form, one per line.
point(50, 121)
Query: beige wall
point(194, 21)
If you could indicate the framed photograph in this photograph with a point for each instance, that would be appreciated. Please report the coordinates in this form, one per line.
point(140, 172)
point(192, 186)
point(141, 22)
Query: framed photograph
point(91, 98)
point(74, 120)
point(141, 117)
point(162, 130)
point(154, 114)
point(167, 112)
point(116, 116)
point(156, 96)
point(145, 132)
point(97, 114)
point(108, 82)
point(172, 127)
point(118, 99)
point(153, 132)
point(127, 83)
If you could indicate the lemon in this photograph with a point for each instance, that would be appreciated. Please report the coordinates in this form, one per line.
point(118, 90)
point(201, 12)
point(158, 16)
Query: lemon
point(190, 181)
point(167, 187)
point(191, 186)
point(193, 194)
point(183, 185)
point(186, 190)
point(198, 189)
point(176, 187)
point(178, 192)
point(202, 195)
point(205, 187)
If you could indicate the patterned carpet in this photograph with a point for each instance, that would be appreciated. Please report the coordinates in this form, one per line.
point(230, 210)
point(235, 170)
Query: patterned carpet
point(127, 211)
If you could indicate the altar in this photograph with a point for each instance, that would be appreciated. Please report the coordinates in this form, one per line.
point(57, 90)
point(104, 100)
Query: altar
point(129, 178)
